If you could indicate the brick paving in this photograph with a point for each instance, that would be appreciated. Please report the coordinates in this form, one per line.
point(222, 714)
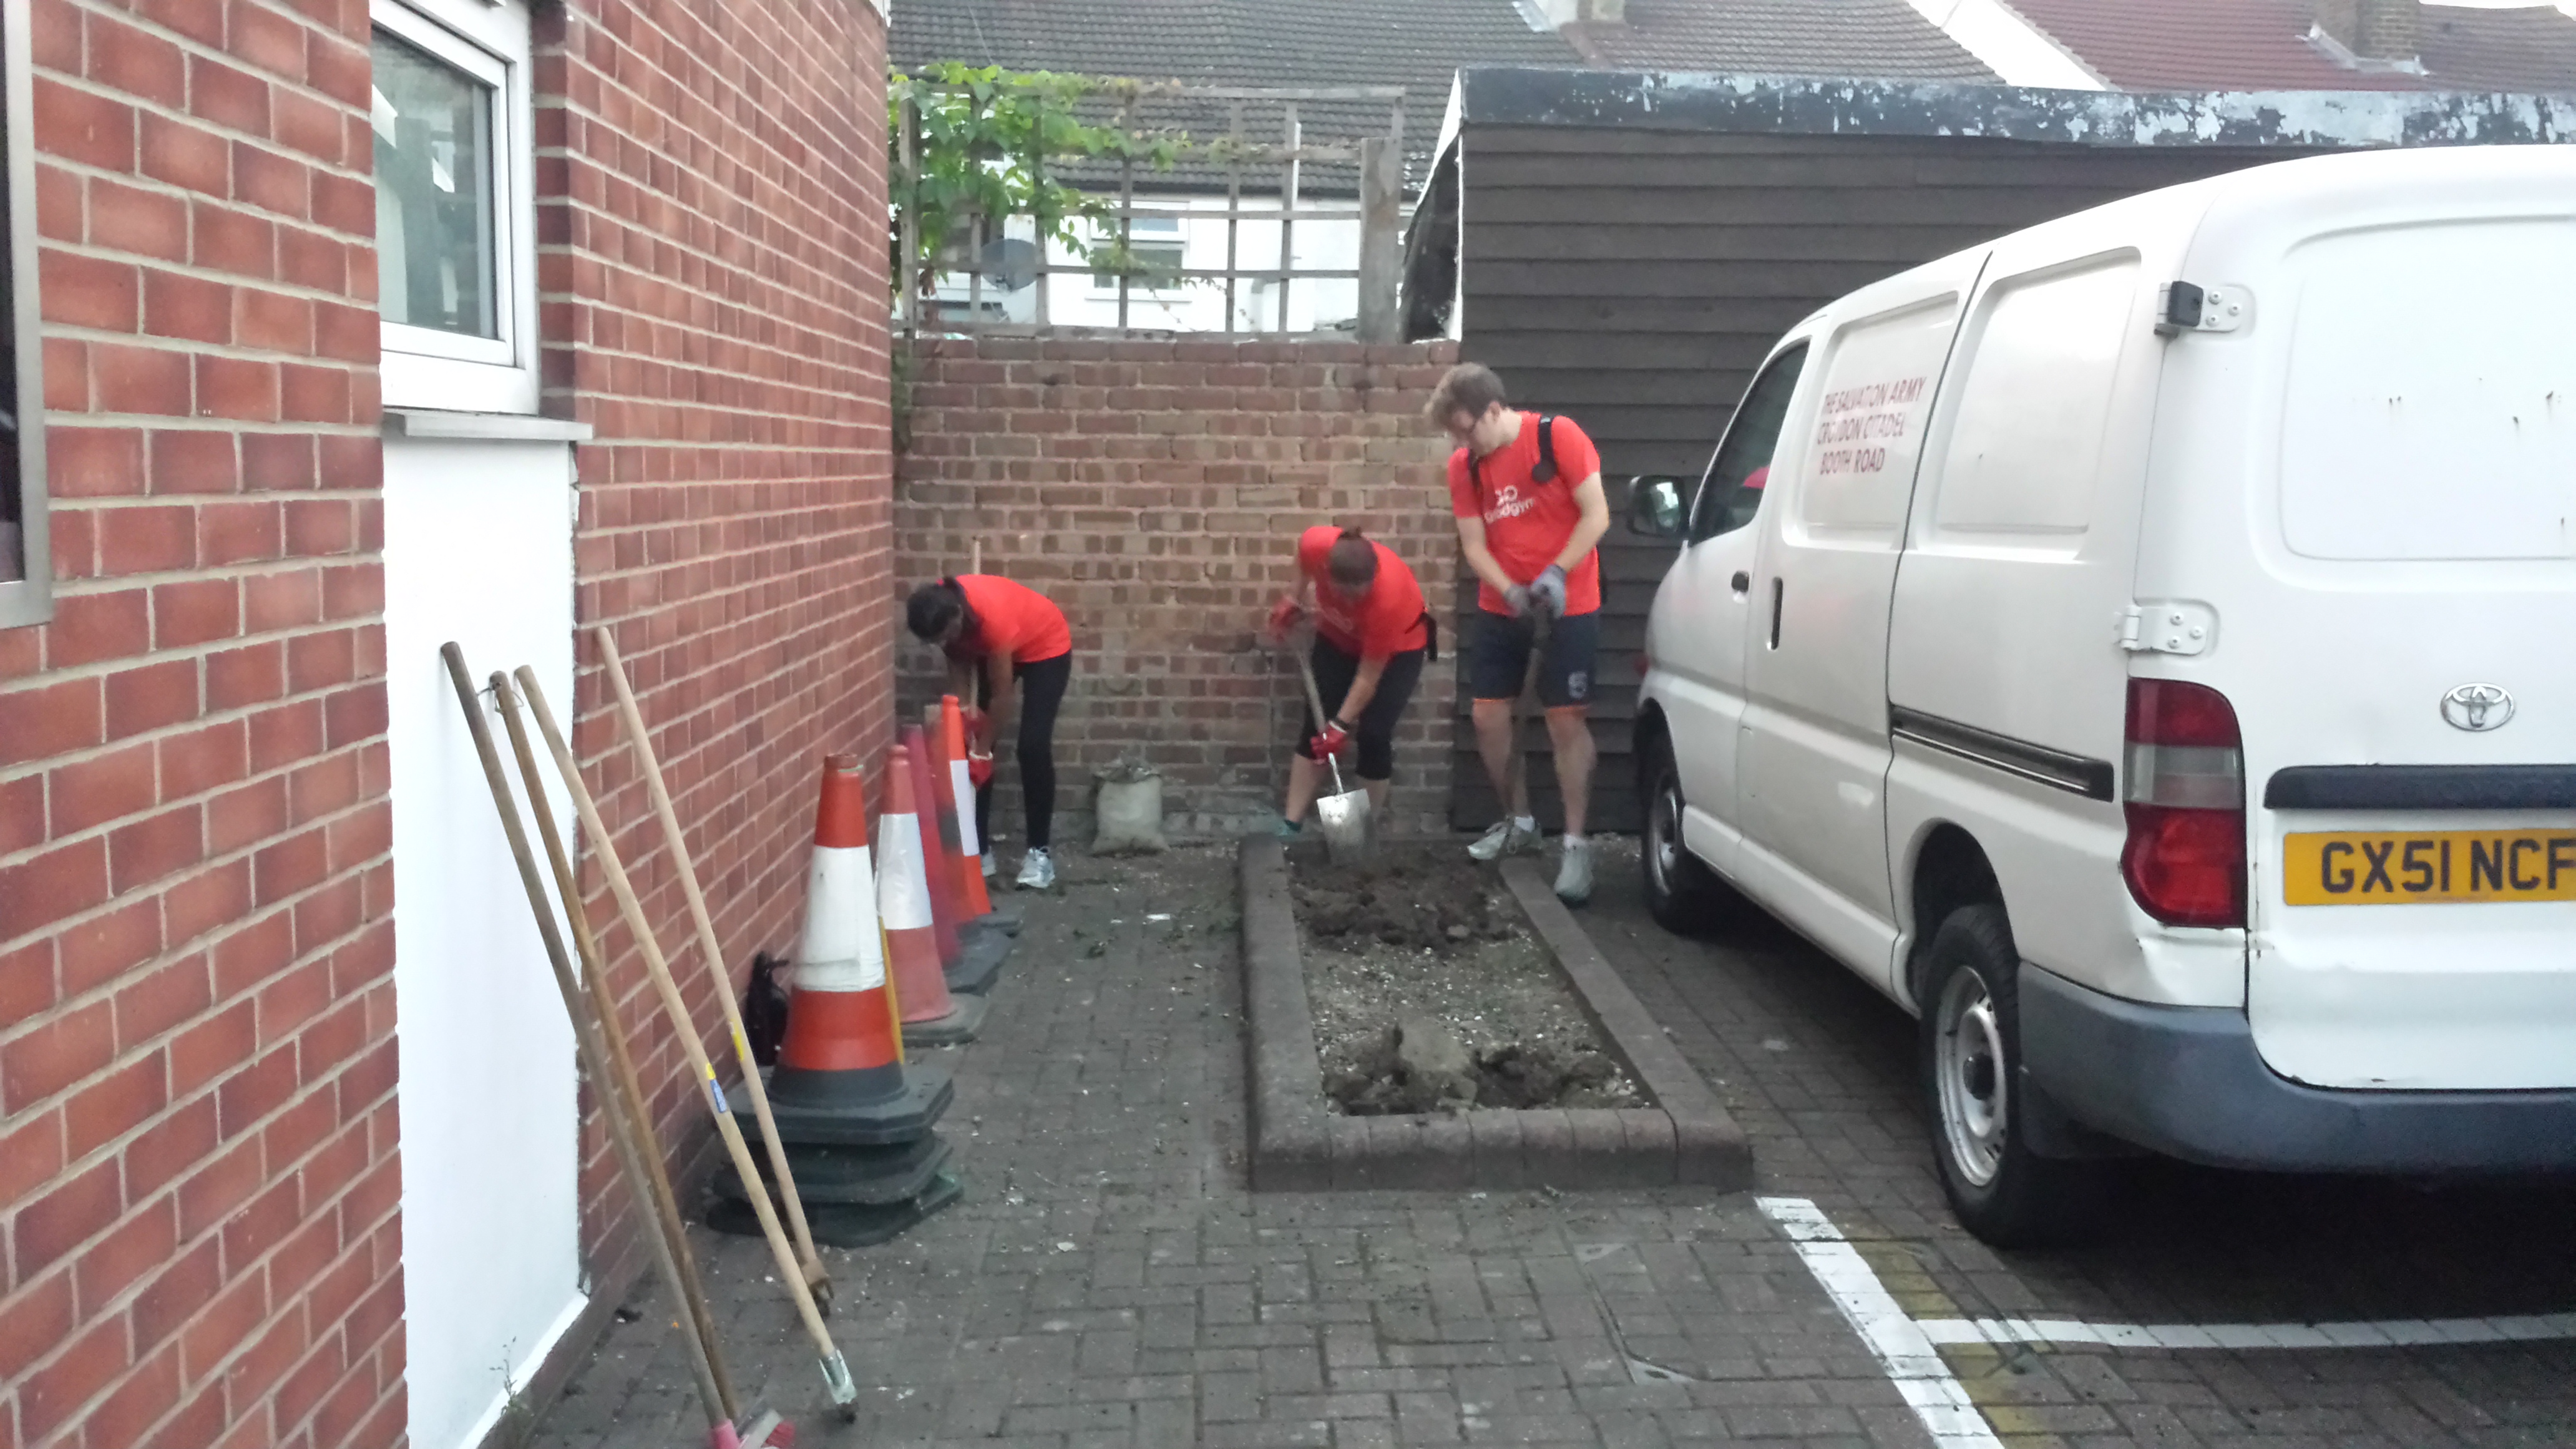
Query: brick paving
point(1110, 1280)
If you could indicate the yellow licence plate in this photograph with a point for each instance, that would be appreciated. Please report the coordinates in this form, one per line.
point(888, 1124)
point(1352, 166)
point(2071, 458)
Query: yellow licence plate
point(2394, 868)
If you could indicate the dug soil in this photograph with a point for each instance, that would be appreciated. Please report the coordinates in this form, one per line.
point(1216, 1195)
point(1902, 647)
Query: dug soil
point(1428, 944)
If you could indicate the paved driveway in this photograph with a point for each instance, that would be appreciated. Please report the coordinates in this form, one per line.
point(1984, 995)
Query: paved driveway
point(1111, 1282)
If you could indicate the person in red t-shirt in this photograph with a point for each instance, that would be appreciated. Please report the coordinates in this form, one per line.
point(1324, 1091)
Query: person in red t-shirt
point(995, 631)
point(1371, 637)
point(1529, 517)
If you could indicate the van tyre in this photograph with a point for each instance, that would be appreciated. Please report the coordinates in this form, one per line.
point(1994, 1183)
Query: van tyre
point(1684, 896)
point(2003, 1192)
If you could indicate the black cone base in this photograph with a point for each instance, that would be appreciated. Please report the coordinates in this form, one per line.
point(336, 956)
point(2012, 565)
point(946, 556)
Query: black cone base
point(965, 1018)
point(870, 1176)
point(1008, 915)
point(907, 1116)
point(982, 947)
point(843, 1225)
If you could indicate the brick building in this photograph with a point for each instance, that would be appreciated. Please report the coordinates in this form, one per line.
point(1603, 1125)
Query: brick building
point(346, 329)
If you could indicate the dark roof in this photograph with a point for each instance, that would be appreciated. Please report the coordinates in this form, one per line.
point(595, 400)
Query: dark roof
point(1417, 44)
point(2530, 49)
point(1859, 38)
point(2238, 45)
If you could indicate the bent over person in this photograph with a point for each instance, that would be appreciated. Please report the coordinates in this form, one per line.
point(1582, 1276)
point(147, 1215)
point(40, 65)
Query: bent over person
point(1526, 491)
point(1371, 637)
point(995, 633)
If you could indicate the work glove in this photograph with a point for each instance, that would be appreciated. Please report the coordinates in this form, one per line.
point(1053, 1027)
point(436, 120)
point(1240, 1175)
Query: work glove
point(1516, 601)
point(979, 768)
point(1332, 741)
point(1283, 617)
point(1547, 592)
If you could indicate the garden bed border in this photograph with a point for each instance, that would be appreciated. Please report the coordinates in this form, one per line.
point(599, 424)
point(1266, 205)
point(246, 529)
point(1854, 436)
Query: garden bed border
point(1686, 1138)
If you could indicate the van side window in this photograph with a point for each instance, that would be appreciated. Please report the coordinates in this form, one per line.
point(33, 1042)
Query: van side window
point(1731, 492)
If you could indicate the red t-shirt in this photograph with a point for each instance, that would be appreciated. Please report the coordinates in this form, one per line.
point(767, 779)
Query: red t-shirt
point(1527, 523)
point(1387, 620)
point(1011, 619)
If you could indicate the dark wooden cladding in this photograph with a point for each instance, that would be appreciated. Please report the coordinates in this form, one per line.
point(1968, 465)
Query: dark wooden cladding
point(1633, 280)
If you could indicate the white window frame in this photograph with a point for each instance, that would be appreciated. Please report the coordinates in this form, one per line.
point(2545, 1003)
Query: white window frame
point(29, 600)
point(425, 367)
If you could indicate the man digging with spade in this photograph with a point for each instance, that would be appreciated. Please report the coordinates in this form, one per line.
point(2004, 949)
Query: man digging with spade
point(1526, 490)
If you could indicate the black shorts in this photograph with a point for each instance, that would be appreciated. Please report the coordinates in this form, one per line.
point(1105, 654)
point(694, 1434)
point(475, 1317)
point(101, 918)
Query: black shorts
point(1375, 728)
point(1498, 658)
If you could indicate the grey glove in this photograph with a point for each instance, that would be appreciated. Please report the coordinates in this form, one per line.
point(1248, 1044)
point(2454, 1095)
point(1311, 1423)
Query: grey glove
point(1547, 592)
point(1516, 599)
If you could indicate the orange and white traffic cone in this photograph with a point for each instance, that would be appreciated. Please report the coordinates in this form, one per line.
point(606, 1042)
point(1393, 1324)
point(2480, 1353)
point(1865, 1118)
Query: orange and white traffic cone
point(934, 854)
point(980, 945)
point(841, 1075)
point(931, 1017)
point(961, 803)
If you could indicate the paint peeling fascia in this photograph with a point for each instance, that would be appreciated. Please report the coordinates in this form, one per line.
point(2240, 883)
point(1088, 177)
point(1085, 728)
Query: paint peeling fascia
point(1516, 96)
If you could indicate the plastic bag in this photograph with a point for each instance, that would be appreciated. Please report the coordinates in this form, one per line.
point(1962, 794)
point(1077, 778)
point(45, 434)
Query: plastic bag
point(1127, 815)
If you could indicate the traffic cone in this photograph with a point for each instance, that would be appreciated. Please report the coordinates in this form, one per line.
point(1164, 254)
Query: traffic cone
point(841, 1077)
point(931, 1017)
point(934, 856)
point(961, 803)
point(980, 946)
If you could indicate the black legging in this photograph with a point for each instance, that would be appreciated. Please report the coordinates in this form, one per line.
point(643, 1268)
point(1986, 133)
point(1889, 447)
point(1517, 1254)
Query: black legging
point(1042, 688)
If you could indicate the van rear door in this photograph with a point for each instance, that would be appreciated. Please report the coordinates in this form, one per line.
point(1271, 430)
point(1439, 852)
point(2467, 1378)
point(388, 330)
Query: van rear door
point(2402, 653)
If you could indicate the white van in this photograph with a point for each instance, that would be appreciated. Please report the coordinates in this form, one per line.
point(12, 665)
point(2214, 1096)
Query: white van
point(2145, 647)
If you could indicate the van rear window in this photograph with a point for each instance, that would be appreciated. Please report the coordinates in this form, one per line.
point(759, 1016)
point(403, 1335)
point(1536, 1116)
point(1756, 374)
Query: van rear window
point(2430, 402)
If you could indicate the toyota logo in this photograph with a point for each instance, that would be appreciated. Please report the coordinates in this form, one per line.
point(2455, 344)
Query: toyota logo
point(2477, 708)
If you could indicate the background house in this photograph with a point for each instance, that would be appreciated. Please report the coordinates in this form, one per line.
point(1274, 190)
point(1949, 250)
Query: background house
point(325, 366)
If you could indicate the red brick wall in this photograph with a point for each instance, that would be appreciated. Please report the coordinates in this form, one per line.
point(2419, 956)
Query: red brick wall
point(712, 265)
point(198, 1181)
point(1154, 490)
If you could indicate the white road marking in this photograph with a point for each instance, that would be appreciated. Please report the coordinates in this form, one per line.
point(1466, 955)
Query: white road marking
point(2392, 1333)
point(1900, 1344)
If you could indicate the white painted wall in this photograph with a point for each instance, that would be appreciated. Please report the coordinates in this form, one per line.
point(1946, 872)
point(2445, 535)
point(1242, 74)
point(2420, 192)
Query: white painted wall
point(478, 548)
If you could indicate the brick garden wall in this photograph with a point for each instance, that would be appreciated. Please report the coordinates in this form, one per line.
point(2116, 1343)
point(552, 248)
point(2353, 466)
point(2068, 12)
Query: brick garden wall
point(198, 1180)
point(712, 265)
point(1155, 490)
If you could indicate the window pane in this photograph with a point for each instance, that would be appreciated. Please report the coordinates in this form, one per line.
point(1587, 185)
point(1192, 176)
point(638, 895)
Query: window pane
point(434, 242)
point(1732, 492)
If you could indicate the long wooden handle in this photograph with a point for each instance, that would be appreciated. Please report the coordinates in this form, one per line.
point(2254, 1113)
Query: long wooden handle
point(594, 1058)
point(1315, 701)
point(1517, 795)
point(683, 1027)
point(664, 1204)
point(641, 739)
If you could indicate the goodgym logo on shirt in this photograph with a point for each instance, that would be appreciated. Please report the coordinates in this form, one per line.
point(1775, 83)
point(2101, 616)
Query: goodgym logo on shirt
point(1508, 504)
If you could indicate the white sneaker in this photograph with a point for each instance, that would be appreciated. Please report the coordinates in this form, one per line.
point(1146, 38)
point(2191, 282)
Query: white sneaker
point(1037, 871)
point(991, 871)
point(1502, 838)
point(1574, 872)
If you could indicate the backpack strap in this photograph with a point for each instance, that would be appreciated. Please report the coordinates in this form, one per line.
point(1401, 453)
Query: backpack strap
point(1545, 472)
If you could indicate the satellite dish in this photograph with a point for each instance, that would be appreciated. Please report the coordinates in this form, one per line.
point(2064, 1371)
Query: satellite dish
point(1009, 263)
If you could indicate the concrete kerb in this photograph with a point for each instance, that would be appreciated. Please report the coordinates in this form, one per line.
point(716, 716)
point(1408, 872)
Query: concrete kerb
point(1685, 1138)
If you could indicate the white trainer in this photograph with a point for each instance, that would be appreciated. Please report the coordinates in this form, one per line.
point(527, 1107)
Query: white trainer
point(1037, 870)
point(1574, 872)
point(1502, 838)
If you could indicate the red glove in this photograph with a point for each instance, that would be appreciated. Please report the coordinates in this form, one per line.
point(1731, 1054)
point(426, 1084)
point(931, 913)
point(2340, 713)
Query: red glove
point(979, 769)
point(1283, 617)
point(1332, 741)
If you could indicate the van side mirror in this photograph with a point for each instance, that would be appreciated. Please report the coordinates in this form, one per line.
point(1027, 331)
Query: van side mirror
point(1655, 506)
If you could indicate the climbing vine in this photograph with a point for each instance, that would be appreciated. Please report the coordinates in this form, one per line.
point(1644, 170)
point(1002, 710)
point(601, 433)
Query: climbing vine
point(992, 144)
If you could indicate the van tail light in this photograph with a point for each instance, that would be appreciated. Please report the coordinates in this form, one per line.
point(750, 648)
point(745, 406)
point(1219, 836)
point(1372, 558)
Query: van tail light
point(2185, 799)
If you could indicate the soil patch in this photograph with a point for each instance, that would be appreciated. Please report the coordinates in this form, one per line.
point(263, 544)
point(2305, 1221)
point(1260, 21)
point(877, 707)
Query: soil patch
point(1431, 994)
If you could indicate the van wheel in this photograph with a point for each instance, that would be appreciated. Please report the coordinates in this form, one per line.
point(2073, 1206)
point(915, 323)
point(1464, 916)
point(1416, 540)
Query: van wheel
point(1683, 895)
point(2003, 1192)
